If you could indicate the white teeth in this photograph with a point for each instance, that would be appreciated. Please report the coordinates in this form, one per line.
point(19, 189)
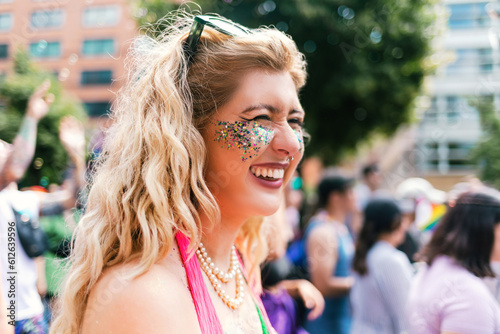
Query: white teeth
point(268, 172)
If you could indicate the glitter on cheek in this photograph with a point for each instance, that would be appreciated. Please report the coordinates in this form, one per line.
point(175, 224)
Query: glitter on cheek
point(300, 138)
point(248, 137)
point(263, 134)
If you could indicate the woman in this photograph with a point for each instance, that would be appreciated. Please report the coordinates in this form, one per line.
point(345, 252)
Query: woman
point(207, 132)
point(330, 249)
point(448, 296)
point(382, 273)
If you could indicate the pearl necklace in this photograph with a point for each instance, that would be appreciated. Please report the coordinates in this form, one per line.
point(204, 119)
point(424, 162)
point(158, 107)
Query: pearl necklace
point(217, 277)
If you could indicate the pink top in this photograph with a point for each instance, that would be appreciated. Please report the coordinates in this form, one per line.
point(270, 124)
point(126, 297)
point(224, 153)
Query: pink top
point(207, 316)
point(447, 297)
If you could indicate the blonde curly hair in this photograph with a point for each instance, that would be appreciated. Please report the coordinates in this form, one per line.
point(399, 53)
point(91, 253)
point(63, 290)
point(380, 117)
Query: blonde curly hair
point(149, 179)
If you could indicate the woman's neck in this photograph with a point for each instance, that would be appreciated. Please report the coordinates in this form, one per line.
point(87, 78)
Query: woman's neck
point(219, 239)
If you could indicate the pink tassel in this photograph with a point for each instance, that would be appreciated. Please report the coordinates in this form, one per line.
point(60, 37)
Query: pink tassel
point(207, 317)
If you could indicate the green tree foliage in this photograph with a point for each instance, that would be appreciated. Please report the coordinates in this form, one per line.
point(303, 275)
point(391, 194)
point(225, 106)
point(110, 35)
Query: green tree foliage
point(366, 60)
point(486, 152)
point(50, 158)
point(148, 12)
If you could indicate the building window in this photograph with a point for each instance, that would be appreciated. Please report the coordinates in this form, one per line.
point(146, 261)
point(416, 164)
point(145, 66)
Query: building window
point(44, 49)
point(94, 47)
point(458, 108)
point(5, 21)
point(42, 19)
point(453, 156)
point(459, 155)
point(4, 51)
point(471, 62)
point(96, 109)
point(468, 16)
point(101, 16)
point(96, 77)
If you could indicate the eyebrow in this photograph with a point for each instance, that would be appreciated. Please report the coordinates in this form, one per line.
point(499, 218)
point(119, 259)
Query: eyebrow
point(271, 108)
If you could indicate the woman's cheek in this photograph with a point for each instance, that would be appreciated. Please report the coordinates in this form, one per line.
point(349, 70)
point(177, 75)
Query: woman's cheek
point(300, 138)
point(247, 138)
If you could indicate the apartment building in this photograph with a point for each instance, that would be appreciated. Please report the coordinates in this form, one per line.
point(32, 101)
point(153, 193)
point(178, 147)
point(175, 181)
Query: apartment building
point(450, 127)
point(83, 42)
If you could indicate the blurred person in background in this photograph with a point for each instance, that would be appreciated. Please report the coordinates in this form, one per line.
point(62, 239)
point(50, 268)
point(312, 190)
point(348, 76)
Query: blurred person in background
point(14, 160)
point(371, 181)
point(472, 184)
point(31, 283)
point(330, 249)
point(448, 295)
point(280, 293)
point(382, 273)
point(365, 190)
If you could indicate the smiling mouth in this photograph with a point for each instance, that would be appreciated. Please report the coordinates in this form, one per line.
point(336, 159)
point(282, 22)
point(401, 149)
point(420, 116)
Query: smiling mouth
point(269, 174)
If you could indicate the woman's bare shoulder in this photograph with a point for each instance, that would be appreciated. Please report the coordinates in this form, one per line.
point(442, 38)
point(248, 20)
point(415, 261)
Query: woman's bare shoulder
point(158, 301)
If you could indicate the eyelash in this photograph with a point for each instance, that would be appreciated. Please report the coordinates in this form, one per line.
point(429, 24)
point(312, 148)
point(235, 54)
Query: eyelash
point(266, 118)
point(262, 117)
point(298, 122)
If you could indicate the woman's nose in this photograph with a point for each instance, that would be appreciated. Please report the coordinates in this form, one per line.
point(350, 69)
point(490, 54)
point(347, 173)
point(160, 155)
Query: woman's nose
point(287, 141)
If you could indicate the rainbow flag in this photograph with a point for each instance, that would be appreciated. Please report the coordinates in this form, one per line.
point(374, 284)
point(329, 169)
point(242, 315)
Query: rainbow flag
point(438, 211)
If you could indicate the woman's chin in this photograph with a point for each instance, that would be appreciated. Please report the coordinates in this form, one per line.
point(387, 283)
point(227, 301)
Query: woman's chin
point(267, 208)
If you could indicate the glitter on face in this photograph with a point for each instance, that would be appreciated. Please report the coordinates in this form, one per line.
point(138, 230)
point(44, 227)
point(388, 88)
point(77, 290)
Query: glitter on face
point(249, 137)
point(300, 138)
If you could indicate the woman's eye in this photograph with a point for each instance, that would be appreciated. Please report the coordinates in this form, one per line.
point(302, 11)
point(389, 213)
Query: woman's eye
point(257, 118)
point(296, 121)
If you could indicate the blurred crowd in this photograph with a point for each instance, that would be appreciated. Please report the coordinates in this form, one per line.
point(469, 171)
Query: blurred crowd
point(345, 255)
point(412, 260)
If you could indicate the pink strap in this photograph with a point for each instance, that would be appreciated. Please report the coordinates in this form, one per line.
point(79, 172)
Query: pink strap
point(207, 317)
